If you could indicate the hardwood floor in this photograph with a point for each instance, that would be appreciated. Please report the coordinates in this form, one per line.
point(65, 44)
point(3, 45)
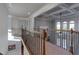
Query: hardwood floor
point(55, 50)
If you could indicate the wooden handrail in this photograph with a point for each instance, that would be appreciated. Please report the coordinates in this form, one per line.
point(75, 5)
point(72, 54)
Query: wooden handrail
point(66, 30)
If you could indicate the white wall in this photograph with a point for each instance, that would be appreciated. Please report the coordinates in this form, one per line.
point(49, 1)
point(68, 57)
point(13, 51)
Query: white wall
point(17, 23)
point(3, 28)
point(9, 21)
point(31, 24)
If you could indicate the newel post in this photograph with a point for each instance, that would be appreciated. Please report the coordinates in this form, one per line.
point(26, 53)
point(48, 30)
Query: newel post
point(44, 41)
point(71, 47)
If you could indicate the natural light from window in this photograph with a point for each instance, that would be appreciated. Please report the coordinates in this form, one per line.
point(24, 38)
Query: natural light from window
point(71, 25)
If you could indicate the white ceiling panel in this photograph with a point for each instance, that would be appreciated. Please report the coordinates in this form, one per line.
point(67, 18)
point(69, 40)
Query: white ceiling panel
point(24, 9)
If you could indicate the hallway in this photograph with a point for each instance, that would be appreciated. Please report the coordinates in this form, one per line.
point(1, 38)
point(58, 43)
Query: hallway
point(39, 28)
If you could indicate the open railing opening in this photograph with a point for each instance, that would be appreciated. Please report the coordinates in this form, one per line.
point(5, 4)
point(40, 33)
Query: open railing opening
point(34, 41)
point(67, 39)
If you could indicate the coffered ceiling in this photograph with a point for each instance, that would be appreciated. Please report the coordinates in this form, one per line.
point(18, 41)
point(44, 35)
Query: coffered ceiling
point(65, 9)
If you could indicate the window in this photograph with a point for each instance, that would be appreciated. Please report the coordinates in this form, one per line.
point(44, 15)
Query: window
point(64, 25)
point(71, 25)
point(58, 25)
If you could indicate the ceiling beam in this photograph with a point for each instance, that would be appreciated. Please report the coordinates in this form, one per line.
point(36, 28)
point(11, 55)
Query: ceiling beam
point(75, 5)
point(52, 15)
point(58, 11)
point(66, 8)
point(44, 9)
point(70, 8)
